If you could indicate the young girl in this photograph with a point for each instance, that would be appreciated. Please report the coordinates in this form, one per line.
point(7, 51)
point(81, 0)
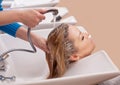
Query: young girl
point(66, 44)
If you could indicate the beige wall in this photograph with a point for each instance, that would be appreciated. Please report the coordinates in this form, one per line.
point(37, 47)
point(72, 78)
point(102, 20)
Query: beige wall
point(101, 18)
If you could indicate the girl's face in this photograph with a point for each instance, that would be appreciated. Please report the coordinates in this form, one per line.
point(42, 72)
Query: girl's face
point(82, 42)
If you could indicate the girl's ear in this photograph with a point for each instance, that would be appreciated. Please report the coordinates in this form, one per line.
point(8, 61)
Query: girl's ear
point(74, 57)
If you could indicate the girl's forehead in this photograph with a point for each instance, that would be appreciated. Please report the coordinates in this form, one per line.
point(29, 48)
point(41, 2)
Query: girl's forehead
point(73, 29)
point(73, 32)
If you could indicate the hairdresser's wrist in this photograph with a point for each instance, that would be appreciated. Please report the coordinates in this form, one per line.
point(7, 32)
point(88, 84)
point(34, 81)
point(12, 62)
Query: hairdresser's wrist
point(19, 15)
point(9, 16)
point(15, 15)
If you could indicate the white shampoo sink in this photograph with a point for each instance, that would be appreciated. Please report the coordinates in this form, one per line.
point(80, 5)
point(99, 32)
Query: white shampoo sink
point(32, 69)
point(34, 3)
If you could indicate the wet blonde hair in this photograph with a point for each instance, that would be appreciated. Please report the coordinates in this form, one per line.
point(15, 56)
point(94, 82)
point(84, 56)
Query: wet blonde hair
point(60, 48)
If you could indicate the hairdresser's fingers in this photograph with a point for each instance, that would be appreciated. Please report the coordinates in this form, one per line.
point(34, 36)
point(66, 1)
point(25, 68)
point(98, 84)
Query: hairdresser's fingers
point(40, 42)
point(42, 11)
point(43, 45)
point(37, 20)
point(33, 25)
point(41, 17)
point(44, 48)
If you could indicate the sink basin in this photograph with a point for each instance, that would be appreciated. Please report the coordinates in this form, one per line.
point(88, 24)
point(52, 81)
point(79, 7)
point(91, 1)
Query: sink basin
point(32, 69)
point(32, 3)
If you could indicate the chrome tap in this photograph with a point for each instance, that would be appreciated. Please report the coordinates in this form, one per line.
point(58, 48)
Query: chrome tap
point(2, 62)
point(12, 78)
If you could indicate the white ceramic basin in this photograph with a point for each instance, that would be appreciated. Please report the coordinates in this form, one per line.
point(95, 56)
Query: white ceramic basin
point(34, 3)
point(31, 69)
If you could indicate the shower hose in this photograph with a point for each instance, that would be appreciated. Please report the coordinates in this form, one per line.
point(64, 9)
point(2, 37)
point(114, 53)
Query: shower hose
point(26, 50)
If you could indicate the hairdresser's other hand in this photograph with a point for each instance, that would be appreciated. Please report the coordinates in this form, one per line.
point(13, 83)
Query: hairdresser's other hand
point(31, 17)
point(40, 42)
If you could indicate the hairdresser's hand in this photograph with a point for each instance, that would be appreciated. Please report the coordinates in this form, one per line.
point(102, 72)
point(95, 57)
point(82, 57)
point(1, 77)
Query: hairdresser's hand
point(31, 17)
point(40, 42)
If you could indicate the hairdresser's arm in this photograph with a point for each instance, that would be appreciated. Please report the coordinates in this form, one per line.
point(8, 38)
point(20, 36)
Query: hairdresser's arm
point(17, 30)
point(29, 17)
point(39, 41)
point(7, 17)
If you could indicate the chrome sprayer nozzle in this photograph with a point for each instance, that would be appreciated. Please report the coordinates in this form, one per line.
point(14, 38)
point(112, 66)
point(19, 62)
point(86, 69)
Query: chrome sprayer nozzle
point(54, 11)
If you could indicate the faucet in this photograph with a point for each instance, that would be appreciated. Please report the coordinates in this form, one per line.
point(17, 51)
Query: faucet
point(2, 63)
point(2, 78)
